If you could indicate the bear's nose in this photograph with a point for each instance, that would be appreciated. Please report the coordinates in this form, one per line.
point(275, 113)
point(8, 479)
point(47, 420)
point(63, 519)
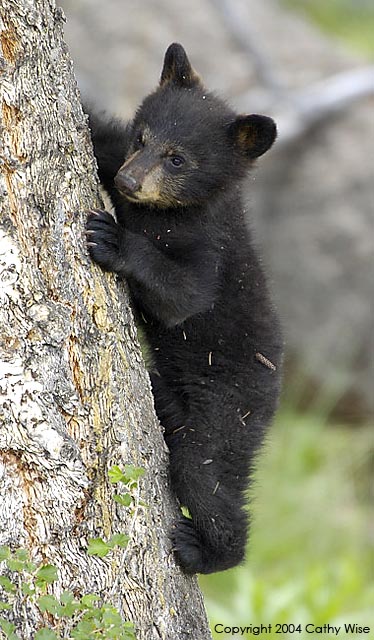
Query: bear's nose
point(126, 182)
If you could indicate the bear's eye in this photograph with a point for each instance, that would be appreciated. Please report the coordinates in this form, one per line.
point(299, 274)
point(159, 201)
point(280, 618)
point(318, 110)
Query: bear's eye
point(139, 139)
point(177, 161)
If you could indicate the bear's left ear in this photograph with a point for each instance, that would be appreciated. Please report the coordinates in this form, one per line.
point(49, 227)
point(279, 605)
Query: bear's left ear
point(253, 134)
point(177, 68)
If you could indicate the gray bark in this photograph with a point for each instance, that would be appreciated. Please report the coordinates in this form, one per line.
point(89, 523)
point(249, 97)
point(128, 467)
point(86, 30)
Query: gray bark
point(74, 394)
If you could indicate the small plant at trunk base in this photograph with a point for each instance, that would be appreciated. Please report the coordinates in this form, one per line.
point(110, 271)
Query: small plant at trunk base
point(129, 477)
point(92, 619)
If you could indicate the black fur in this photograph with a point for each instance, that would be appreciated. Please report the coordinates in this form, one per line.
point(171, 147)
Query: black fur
point(181, 242)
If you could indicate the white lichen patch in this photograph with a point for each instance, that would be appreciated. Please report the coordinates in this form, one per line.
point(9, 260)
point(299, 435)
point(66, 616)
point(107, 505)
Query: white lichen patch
point(39, 312)
point(8, 92)
point(10, 268)
point(18, 394)
point(49, 439)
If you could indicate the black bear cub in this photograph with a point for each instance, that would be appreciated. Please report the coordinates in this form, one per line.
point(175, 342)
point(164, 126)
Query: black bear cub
point(180, 240)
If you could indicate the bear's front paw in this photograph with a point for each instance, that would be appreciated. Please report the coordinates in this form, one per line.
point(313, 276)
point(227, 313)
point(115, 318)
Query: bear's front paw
point(103, 239)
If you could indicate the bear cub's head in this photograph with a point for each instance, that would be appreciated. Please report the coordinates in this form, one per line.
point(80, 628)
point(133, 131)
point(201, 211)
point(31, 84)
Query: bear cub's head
point(186, 143)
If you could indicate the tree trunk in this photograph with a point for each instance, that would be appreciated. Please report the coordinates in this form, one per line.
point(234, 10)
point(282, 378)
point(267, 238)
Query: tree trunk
point(74, 395)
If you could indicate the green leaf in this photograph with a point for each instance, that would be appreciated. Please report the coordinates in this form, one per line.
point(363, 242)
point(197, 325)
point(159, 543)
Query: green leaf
point(67, 597)
point(83, 630)
point(125, 499)
point(7, 627)
point(94, 613)
point(111, 617)
point(128, 631)
point(133, 473)
point(21, 554)
point(120, 539)
point(116, 475)
point(47, 573)
point(70, 604)
point(45, 634)
point(97, 547)
point(186, 512)
point(4, 606)
point(4, 553)
point(27, 589)
point(15, 565)
point(49, 603)
point(130, 474)
point(7, 584)
point(70, 609)
point(89, 600)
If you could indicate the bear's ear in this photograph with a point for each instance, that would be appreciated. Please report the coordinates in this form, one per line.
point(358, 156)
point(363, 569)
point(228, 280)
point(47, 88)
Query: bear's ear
point(177, 68)
point(253, 134)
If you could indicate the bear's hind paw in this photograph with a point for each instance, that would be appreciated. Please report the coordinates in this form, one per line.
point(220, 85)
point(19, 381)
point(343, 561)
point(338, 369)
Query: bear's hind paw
point(187, 546)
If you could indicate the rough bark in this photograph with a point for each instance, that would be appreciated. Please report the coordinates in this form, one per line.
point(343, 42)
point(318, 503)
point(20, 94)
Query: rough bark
point(74, 395)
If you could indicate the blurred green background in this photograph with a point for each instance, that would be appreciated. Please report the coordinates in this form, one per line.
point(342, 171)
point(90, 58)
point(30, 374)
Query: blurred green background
point(311, 554)
point(351, 21)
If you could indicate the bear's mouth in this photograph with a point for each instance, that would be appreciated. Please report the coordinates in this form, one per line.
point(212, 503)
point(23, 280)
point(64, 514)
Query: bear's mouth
point(128, 195)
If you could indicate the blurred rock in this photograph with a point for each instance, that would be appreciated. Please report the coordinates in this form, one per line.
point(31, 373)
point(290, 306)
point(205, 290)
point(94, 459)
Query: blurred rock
point(312, 201)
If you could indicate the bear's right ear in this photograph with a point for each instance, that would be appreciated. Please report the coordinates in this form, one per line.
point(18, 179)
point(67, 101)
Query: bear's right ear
point(253, 134)
point(177, 68)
